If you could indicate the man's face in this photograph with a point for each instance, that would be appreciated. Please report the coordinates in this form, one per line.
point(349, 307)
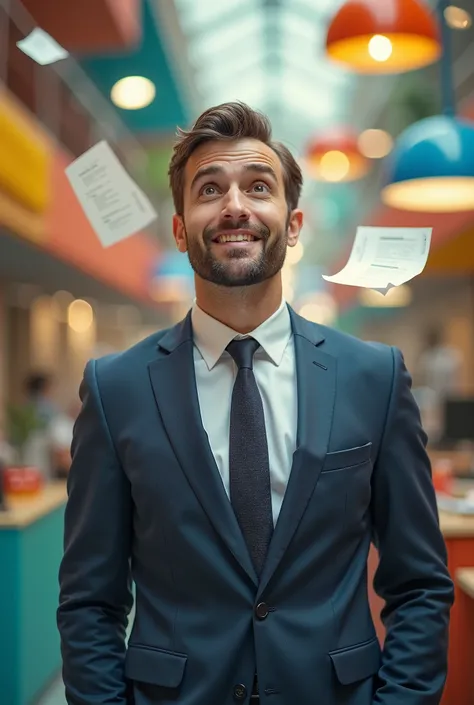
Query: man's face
point(236, 225)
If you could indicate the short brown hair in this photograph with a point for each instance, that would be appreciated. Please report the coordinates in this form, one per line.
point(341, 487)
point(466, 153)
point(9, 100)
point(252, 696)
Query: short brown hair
point(231, 121)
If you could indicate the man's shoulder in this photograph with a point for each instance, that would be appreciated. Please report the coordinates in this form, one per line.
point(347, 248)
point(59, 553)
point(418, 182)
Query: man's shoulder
point(355, 355)
point(339, 342)
point(137, 357)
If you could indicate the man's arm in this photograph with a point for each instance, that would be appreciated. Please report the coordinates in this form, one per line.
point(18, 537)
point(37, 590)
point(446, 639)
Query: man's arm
point(95, 594)
point(412, 577)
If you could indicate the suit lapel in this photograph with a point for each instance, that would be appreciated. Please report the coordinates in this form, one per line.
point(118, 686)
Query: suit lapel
point(174, 385)
point(316, 388)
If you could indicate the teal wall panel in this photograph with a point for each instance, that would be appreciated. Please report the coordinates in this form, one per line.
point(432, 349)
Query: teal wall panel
point(150, 60)
point(29, 641)
point(9, 615)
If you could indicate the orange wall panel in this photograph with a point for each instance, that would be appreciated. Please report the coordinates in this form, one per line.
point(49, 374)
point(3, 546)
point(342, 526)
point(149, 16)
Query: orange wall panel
point(89, 25)
point(124, 266)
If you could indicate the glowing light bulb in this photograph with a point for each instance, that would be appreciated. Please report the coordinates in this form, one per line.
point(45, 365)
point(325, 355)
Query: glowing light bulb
point(457, 18)
point(334, 166)
point(380, 48)
point(133, 92)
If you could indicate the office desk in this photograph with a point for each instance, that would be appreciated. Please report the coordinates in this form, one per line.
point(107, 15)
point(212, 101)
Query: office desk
point(31, 537)
point(465, 583)
point(458, 532)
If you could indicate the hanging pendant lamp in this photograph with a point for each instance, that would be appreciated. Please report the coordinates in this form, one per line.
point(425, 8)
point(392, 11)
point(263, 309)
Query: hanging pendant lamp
point(383, 36)
point(335, 157)
point(431, 168)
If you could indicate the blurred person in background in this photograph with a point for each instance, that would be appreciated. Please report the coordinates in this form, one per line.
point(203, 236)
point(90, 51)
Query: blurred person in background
point(237, 467)
point(438, 376)
point(39, 393)
point(440, 366)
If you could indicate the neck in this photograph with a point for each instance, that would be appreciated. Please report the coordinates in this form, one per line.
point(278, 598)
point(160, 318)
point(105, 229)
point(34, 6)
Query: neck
point(241, 308)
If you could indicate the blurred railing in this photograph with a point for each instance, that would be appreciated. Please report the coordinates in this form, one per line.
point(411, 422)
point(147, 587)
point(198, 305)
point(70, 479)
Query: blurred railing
point(63, 97)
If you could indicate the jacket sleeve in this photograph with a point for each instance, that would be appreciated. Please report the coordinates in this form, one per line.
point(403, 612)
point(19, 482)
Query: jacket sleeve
point(95, 585)
point(412, 577)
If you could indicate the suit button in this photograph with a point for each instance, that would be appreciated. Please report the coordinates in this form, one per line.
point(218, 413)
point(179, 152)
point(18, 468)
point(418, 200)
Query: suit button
point(240, 692)
point(262, 610)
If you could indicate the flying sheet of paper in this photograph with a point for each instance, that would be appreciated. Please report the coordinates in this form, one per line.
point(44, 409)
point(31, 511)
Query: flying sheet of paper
point(42, 48)
point(113, 203)
point(382, 258)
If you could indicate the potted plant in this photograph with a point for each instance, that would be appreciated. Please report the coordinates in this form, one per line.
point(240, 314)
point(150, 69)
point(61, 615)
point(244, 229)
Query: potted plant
point(22, 422)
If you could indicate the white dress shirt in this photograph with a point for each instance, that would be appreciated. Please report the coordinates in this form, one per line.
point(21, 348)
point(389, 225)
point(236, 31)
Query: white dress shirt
point(275, 373)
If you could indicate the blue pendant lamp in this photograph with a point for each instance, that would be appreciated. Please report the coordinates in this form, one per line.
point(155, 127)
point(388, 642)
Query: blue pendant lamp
point(431, 168)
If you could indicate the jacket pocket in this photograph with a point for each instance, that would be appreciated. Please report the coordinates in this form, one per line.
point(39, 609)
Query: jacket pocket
point(355, 663)
point(341, 459)
point(146, 664)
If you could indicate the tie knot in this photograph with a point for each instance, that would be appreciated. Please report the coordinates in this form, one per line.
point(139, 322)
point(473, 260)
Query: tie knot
point(243, 351)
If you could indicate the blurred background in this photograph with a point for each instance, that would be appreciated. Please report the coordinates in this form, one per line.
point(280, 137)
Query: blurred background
point(376, 101)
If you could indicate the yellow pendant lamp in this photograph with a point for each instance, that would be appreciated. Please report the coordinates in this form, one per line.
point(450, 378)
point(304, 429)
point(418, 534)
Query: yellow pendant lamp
point(335, 157)
point(384, 36)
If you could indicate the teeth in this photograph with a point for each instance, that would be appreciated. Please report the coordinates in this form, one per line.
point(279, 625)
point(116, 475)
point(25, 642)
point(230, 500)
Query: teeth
point(235, 238)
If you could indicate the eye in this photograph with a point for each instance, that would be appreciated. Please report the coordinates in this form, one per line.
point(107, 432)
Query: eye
point(209, 190)
point(260, 187)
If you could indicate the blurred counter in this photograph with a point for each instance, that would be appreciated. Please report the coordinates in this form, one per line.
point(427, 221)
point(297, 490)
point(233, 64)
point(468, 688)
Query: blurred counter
point(465, 579)
point(457, 526)
point(465, 584)
point(23, 512)
point(31, 547)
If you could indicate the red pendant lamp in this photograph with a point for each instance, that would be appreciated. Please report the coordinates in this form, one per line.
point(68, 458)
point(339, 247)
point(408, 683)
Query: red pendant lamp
point(335, 157)
point(384, 36)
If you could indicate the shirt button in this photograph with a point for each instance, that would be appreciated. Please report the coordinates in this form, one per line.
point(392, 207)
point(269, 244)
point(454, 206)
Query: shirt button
point(240, 692)
point(262, 610)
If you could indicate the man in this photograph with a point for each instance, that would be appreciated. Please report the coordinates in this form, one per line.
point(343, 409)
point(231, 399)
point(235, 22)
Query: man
point(39, 393)
point(237, 467)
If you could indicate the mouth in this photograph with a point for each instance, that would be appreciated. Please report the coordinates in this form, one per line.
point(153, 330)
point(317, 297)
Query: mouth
point(235, 238)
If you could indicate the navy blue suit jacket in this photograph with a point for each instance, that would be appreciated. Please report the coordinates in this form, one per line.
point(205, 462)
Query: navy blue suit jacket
point(146, 501)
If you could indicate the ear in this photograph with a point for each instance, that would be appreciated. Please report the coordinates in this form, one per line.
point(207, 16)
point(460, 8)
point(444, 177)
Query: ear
point(179, 232)
point(295, 223)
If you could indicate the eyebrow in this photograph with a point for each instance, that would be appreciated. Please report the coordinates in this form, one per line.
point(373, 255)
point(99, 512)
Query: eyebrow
point(213, 170)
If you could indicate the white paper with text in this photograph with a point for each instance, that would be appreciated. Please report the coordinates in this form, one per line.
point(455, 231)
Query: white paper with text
point(382, 258)
point(113, 203)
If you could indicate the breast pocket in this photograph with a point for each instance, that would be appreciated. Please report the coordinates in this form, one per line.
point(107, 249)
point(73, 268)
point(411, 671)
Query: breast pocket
point(349, 458)
point(345, 482)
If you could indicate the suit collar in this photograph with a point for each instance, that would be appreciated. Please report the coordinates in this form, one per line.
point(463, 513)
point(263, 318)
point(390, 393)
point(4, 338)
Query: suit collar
point(211, 337)
point(313, 332)
point(183, 331)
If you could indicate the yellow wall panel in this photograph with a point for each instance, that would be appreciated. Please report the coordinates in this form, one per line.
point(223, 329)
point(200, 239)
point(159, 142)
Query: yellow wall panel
point(25, 163)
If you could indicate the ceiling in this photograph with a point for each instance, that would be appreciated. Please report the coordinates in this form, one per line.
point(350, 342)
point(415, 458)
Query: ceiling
point(149, 58)
point(270, 54)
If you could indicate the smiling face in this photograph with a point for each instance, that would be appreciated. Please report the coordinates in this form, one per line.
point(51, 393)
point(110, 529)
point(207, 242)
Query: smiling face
point(235, 225)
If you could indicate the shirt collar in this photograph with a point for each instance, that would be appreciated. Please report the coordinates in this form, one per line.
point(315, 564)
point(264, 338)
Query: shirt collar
point(211, 337)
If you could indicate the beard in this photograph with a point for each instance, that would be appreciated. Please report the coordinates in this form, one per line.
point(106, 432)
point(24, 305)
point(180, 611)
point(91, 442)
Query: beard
point(236, 268)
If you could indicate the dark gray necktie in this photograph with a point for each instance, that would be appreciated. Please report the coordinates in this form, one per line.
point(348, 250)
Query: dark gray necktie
point(250, 491)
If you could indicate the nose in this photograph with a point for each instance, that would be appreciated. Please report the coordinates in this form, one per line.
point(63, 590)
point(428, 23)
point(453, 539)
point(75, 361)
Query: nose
point(235, 206)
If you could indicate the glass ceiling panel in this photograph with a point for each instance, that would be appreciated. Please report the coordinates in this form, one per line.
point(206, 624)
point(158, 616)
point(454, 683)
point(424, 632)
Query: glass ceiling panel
point(249, 89)
point(229, 44)
point(239, 38)
point(315, 70)
point(297, 28)
point(324, 8)
point(218, 74)
point(196, 14)
point(320, 105)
